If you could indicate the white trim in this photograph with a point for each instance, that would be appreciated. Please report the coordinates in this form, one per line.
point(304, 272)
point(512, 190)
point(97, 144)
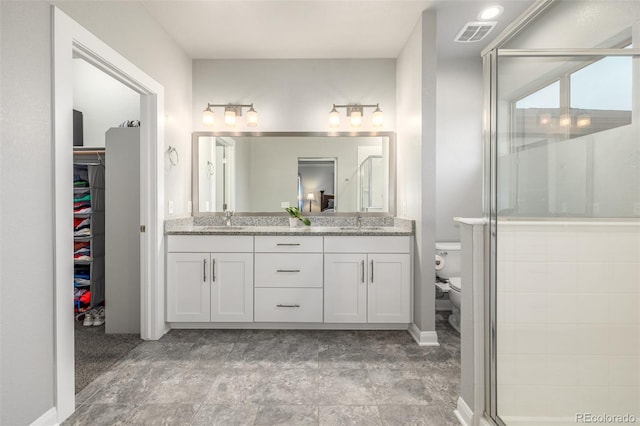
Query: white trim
point(485, 422)
point(50, 418)
point(423, 338)
point(69, 40)
point(463, 413)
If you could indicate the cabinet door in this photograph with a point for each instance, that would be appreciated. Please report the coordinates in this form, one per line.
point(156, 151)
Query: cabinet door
point(345, 288)
point(188, 287)
point(231, 287)
point(389, 288)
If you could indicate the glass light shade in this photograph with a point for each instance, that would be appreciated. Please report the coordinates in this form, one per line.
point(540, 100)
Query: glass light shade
point(310, 196)
point(334, 118)
point(356, 118)
point(230, 117)
point(583, 121)
point(252, 117)
point(207, 117)
point(378, 118)
point(565, 120)
point(544, 119)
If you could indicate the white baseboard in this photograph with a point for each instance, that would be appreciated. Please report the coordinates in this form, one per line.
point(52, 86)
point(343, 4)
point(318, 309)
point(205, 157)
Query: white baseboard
point(50, 418)
point(423, 338)
point(463, 413)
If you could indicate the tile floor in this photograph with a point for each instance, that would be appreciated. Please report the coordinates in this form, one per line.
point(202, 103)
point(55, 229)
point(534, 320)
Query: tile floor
point(278, 377)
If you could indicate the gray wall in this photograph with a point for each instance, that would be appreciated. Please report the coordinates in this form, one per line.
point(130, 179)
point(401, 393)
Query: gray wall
point(26, 223)
point(459, 144)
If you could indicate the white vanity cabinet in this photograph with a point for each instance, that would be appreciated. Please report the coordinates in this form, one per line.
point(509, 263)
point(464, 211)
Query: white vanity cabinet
point(367, 279)
point(209, 278)
point(288, 278)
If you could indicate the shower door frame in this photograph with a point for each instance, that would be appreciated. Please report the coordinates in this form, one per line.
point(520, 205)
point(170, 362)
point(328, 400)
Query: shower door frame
point(490, 58)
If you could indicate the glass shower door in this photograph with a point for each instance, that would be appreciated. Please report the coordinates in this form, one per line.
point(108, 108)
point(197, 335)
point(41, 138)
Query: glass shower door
point(565, 218)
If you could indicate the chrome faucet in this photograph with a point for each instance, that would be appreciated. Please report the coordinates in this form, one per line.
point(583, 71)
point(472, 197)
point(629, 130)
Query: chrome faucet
point(358, 220)
point(227, 217)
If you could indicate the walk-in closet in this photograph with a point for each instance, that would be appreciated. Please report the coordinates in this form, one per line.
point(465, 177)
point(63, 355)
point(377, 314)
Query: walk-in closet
point(106, 217)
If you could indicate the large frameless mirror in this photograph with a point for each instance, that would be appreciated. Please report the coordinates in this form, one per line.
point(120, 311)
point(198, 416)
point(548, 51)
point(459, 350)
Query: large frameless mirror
point(318, 173)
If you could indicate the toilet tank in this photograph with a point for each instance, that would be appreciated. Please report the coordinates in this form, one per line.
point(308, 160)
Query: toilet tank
point(450, 252)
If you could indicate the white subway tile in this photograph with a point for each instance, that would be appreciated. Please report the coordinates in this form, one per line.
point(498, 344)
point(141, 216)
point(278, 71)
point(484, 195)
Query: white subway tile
point(530, 277)
point(593, 339)
point(506, 278)
point(531, 308)
point(531, 370)
point(562, 308)
point(531, 401)
point(593, 247)
point(507, 372)
point(624, 370)
point(562, 401)
point(562, 246)
point(506, 307)
point(562, 277)
point(624, 400)
point(624, 278)
point(592, 308)
point(562, 370)
point(625, 246)
point(507, 400)
point(506, 338)
point(624, 340)
point(562, 339)
point(506, 245)
point(593, 370)
point(531, 339)
point(593, 277)
point(593, 399)
point(623, 309)
point(531, 246)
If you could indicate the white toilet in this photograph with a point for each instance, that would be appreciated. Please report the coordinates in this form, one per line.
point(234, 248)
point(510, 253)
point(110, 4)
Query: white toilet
point(448, 267)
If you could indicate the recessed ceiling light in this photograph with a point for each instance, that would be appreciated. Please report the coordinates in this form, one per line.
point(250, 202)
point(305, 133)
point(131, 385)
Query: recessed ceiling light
point(490, 12)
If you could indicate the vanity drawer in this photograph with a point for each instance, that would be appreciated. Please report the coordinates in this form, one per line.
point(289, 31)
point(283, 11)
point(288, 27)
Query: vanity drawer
point(210, 243)
point(288, 244)
point(288, 269)
point(367, 244)
point(288, 305)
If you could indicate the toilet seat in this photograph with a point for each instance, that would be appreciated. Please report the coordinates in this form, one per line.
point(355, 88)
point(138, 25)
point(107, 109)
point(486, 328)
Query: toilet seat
point(455, 283)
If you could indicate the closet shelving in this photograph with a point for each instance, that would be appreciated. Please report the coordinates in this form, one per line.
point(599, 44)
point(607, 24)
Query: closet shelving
point(88, 229)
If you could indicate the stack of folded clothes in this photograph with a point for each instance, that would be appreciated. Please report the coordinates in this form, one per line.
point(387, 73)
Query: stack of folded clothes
point(81, 227)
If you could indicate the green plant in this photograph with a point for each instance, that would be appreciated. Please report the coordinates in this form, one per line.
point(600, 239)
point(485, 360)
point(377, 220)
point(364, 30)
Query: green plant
point(295, 213)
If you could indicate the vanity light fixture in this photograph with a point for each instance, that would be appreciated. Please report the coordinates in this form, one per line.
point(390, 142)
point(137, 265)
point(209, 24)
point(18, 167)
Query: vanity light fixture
point(583, 120)
point(354, 112)
point(231, 114)
point(565, 120)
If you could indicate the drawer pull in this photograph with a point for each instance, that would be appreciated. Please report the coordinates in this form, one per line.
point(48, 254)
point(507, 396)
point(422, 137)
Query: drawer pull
point(288, 244)
point(288, 270)
point(280, 305)
point(213, 270)
point(363, 271)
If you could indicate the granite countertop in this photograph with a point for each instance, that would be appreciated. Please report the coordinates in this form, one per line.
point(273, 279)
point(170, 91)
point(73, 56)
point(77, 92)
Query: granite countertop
point(190, 229)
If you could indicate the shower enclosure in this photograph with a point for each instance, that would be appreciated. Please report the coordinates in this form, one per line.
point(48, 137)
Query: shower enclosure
point(562, 126)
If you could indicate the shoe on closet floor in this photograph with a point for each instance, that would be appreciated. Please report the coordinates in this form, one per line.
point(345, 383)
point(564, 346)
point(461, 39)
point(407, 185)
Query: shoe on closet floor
point(89, 318)
point(98, 318)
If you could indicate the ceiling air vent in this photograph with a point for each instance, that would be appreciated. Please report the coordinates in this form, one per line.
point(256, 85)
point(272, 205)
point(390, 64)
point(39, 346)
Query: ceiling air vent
point(474, 31)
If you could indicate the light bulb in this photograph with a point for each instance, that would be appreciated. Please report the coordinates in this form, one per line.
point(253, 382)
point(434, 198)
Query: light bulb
point(583, 121)
point(207, 117)
point(544, 119)
point(356, 118)
point(565, 120)
point(229, 117)
point(252, 117)
point(334, 118)
point(377, 119)
point(490, 12)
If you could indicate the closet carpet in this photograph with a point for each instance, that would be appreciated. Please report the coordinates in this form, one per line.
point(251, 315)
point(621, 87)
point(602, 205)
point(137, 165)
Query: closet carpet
point(96, 352)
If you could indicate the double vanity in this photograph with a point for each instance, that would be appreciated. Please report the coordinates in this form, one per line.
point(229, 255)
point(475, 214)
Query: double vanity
point(281, 277)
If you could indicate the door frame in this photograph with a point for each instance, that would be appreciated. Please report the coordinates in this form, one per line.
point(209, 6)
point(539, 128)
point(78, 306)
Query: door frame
point(70, 40)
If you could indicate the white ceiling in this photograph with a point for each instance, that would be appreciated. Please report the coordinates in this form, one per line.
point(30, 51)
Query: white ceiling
point(316, 28)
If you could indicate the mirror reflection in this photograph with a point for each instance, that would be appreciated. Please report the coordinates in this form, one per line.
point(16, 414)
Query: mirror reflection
point(266, 173)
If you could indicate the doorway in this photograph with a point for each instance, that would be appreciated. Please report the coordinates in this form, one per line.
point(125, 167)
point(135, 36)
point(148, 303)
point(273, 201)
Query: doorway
point(70, 40)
